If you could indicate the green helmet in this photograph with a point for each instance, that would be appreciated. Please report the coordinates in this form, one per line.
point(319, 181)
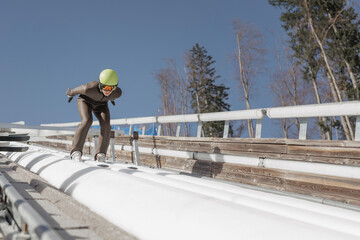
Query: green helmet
point(108, 77)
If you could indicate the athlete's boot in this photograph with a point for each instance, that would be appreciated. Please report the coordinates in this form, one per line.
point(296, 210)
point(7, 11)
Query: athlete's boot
point(100, 157)
point(76, 155)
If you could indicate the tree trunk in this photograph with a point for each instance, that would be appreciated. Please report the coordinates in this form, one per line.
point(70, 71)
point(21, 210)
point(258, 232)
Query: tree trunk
point(332, 81)
point(348, 67)
point(245, 87)
point(326, 134)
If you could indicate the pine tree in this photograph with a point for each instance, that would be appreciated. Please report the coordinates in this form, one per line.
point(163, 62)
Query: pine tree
point(206, 96)
point(325, 38)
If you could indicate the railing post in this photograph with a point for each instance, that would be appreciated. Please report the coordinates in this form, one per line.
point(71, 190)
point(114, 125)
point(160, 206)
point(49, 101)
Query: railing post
point(178, 128)
point(258, 128)
point(226, 129)
point(95, 144)
point(136, 147)
point(112, 146)
point(199, 127)
point(130, 129)
point(159, 130)
point(303, 128)
point(357, 129)
point(143, 130)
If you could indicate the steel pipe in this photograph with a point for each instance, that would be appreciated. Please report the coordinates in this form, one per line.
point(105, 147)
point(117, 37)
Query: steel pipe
point(316, 110)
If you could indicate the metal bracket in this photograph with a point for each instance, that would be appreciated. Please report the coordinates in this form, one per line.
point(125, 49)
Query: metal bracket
point(261, 162)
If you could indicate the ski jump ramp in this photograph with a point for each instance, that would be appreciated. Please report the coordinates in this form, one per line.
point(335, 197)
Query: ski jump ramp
point(159, 204)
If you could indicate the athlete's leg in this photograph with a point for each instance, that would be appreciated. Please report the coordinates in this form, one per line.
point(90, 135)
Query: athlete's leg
point(85, 112)
point(102, 113)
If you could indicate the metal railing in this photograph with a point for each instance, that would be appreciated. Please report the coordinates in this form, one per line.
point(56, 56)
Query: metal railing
point(256, 114)
point(303, 112)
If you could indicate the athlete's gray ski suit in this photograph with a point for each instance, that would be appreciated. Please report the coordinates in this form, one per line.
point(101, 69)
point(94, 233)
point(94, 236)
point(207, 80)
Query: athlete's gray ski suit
point(92, 100)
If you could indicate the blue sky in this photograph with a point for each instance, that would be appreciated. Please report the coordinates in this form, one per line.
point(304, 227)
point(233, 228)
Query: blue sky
point(48, 46)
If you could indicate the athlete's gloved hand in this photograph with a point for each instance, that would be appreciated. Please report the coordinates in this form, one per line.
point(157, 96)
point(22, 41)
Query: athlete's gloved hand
point(113, 102)
point(68, 91)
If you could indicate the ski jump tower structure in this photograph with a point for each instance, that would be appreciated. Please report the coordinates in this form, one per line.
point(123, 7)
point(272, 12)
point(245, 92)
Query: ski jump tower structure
point(175, 187)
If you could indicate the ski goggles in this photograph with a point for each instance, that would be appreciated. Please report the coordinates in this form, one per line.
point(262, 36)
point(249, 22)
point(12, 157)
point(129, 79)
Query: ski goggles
point(108, 88)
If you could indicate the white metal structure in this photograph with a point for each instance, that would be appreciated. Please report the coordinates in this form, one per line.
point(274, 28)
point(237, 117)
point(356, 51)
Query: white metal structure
point(345, 171)
point(303, 112)
point(257, 114)
point(351, 108)
point(32, 224)
point(159, 204)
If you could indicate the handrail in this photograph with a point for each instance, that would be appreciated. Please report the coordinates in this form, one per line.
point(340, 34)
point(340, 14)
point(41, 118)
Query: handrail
point(349, 108)
point(227, 116)
point(204, 117)
point(42, 131)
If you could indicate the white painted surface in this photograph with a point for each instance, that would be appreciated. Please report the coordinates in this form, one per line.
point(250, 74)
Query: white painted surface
point(350, 108)
point(158, 204)
point(216, 116)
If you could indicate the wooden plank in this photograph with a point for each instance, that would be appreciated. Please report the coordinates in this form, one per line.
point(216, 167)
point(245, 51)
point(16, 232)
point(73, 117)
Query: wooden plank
point(296, 176)
point(223, 140)
point(197, 167)
point(325, 151)
point(323, 143)
point(317, 159)
point(266, 148)
point(122, 141)
point(330, 188)
point(216, 147)
point(219, 147)
point(231, 149)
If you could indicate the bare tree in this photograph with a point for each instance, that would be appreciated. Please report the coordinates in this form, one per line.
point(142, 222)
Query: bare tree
point(290, 90)
point(174, 95)
point(180, 91)
point(164, 80)
point(329, 71)
point(250, 56)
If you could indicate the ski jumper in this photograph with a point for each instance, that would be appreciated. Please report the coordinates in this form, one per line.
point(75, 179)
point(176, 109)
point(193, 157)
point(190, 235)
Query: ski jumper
point(91, 100)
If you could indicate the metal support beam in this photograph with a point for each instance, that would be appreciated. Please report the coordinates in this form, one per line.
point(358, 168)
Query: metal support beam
point(258, 128)
point(96, 138)
point(226, 129)
point(178, 128)
point(112, 146)
point(143, 130)
point(199, 127)
point(159, 130)
point(303, 128)
point(130, 129)
point(357, 129)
